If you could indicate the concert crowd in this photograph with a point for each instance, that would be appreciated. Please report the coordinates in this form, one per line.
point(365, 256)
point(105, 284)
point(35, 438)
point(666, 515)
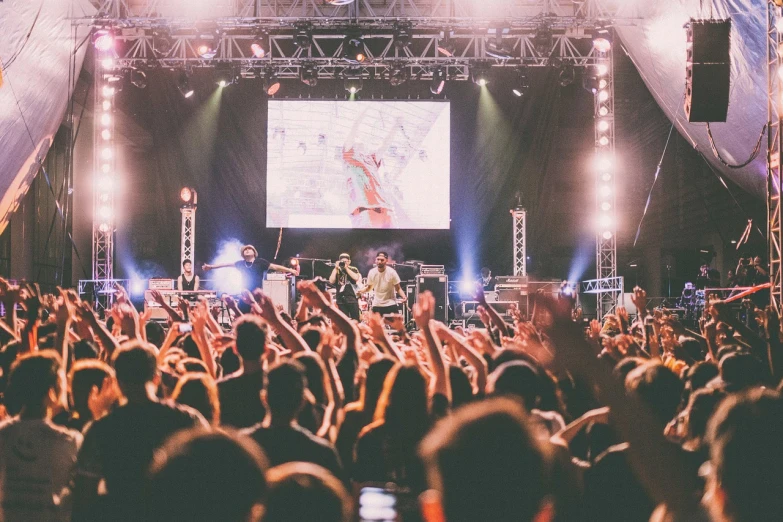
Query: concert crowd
point(321, 417)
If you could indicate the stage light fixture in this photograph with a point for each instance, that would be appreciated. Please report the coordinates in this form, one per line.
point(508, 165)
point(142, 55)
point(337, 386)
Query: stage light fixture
point(602, 44)
point(607, 234)
point(605, 191)
point(607, 177)
point(104, 227)
point(399, 74)
point(590, 84)
point(188, 195)
point(105, 168)
point(603, 111)
point(446, 45)
point(104, 213)
point(105, 120)
point(605, 221)
point(567, 75)
point(138, 78)
point(103, 39)
point(303, 37)
point(353, 85)
point(206, 50)
point(543, 40)
point(601, 69)
point(106, 104)
point(183, 84)
point(258, 45)
point(106, 153)
point(308, 74)
point(604, 141)
point(271, 82)
point(606, 206)
point(603, 95)
point(438, 81)
point(294, 262)
point(223, 74)
point(480, 74)
point(104, 184)
point(496, 49)
point(107, 63)
point(402, 36)
point(107, 91)
point(106, 134)
point(161, 41)
point(602, 126)
point(353, 49)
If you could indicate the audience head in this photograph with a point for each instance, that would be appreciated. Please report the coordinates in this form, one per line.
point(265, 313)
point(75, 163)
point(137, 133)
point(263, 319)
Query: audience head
point(317, 377)
point(658, 387)
point(744, 482)
point(301, 491)
point(34, 386)
point(203, 475)
point(484, 462)
point(155, 333)
point(284, 391)
point(199, 391)
point(373, 383)
point(624, 367)
point(136, 367)
point(85, 349)
point(701, 406)
point(461, 387)
point(251, 337)
point(84, 376)
point(739, 371)
point(403, 404)
point(516, 379)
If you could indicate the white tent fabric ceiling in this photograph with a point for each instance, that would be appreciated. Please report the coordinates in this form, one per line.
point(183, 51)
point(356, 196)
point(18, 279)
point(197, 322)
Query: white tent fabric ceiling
point(38, 40)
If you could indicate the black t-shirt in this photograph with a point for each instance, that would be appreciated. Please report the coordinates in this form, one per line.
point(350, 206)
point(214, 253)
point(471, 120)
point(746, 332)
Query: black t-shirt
point(119, 447)
point(283, 444)
point(345, 285)
point(253, 275)
point(240, 399)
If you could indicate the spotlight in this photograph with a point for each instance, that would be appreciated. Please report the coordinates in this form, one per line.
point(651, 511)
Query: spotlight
point(480, 74)
point(605, 191)
point(308, 74)
point(467, 287)
point(161, 41)
point(606, 206)
point(188, 195)
point(605, 221)
point(138, 78)
point(438, 81)
point(104, 227)
point(399, 74)
point(223, 74)
point(106, 153)
point(104, 184)
point(543, 41)
point(603, 95)
point(590, 84)
point(107, 63)
point(107, 91)
point(567, 75)
point(303, 38)
point(105, 120)
point(402, 36)
point(183, 84)
point(603, 111)
point(353, 85)
point(103, 39)
point(105, 213)
point(271, 82)
point(106, 134)
point(607, 234)
point(206, 51)
point(258, 46)
point(294, 262)
point(446, 45)
point(601, 69)
point(606, 177)
point(602, 126)
point(353, 49)
point(602, 45)
point(604, 141)
point(496, 49)
point(137, 287)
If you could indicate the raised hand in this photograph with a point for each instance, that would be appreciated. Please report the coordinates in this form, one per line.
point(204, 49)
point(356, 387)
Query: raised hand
point(594, 332)
point(206, 267)
point(622, 315)
point(424, 310)
point(31, 300)
point(64, 309)
point(157, 297)
point(396, 322)
point(100, 401)
point(639, 300)
point(266, 307)
point(483, 315)
point(479, 294)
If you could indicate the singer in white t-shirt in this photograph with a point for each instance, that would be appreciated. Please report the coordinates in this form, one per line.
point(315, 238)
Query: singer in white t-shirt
point(385, 281)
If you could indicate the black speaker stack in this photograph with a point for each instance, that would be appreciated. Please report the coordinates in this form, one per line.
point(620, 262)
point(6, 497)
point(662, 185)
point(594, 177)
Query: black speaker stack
point(708, 70)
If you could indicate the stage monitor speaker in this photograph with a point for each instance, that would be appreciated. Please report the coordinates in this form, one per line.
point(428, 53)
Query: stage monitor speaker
point(708, 70)
point(439, 286)
point(282, 293)
point(410, 291)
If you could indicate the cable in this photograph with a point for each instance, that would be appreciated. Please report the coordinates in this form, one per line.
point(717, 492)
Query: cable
point(655, 180)
point(753, 154)
point(13, 57)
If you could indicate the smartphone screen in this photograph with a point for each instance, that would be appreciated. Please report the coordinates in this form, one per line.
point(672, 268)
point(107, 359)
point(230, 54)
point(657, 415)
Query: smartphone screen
point(185, 328)
point(377, 505)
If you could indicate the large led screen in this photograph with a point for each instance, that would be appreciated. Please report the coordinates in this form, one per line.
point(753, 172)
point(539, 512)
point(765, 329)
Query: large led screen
point(358, 164)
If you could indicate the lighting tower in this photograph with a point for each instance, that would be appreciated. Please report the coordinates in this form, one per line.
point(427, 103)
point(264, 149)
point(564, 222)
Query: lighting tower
point(189, 199)
point(519, 217)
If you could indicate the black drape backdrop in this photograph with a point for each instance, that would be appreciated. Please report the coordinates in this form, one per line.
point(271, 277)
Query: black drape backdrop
point(501, 145)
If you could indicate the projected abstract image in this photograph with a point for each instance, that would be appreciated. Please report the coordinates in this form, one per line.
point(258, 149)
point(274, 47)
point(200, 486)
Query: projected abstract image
point(358, 164)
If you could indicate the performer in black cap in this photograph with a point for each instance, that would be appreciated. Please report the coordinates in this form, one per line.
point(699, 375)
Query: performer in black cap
point(345, 278)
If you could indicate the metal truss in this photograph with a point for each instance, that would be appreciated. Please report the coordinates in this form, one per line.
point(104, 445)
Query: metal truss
point(455, 11)
point(605, 169)
point(519, 216)
point(104, 173)
point(774, 174)
point(100, 291)
point(610, 285)
point(188, 234)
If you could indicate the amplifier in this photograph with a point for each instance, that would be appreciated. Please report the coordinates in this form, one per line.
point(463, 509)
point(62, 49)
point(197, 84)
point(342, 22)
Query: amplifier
point(282, 292)
point(432, 270)
point(276, 276)
point(439, 286)
point(502, 307)
point(510, 281)
point(161, 284)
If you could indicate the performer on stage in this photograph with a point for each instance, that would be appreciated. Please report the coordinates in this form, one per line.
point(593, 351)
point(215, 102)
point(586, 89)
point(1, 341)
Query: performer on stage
point(187, 280)
point(345, 277)
point(487, 281)
point(252, 268)
point(385, 282)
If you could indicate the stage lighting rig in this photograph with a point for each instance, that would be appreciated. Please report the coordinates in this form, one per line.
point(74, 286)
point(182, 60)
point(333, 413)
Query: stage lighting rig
point(402, 36)
point(271, 82)
point(206, 50)
point(399, 74)
point(224, 74)
point(479, 73)
point(308, 74)
point(103, 40)
point(188, 196)
point(496, 49)
point(183, 84)
point(544, 41)
point(161, 41)
point(138, 78)
point(446, 45)
point(303, 38)
point(438, 80)
point(522, 85)
point(353, 85)
point(353, 48)
point(567, 75)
